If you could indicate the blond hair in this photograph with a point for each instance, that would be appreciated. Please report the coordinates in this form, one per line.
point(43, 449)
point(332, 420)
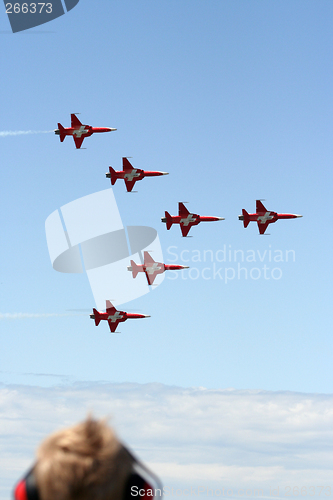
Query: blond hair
point(83, 462)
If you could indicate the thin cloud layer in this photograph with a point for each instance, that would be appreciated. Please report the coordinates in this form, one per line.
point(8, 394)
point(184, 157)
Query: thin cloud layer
point(194, 437)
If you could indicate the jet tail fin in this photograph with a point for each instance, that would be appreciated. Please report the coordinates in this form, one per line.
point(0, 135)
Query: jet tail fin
point(62, 133)
point(246, 218)
point(97, 317)
point(134, 269)
point(168, 221)
point(113, 175)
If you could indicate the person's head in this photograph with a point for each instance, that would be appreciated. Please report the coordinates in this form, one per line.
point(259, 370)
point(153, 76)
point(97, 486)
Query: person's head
point(83, 462)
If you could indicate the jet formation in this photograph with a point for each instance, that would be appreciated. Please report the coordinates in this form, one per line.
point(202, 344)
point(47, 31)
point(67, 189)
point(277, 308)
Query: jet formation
point(79, 131)
point(152, 268)
point(130, 175)
point(185, 219)
point(263, 217)
point(114, 317)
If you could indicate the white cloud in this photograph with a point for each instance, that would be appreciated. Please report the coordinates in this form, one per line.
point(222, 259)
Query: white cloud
point(191, 437)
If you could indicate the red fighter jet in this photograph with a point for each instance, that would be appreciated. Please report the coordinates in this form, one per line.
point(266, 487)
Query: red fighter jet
point(185, 219)
point(114, 317)
point(79, 131)
point(152, 268)
point(263, 217)
point(130, 174)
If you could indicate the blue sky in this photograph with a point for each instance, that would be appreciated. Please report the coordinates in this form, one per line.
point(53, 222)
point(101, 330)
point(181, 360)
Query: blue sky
point(234, 100)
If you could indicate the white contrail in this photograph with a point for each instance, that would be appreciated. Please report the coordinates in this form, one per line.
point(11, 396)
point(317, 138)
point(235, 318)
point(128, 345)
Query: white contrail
point(33, 315)
point(24, 132)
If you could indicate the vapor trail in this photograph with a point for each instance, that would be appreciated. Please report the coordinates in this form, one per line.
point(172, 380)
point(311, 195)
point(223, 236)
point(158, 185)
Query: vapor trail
point(5, 133)
point(33, 315)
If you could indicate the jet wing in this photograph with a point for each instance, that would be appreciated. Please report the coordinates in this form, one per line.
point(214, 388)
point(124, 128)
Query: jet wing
point(149, 261)
point(150, 277)
point(75, 122)
point(113, 325)
point(260, 207)
point(182, 210)
point(129, 185)
point(262, 227)
point(127, 165)
point(110, 309)
point(185, 229)
point(78, 141)
point(148, 258)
